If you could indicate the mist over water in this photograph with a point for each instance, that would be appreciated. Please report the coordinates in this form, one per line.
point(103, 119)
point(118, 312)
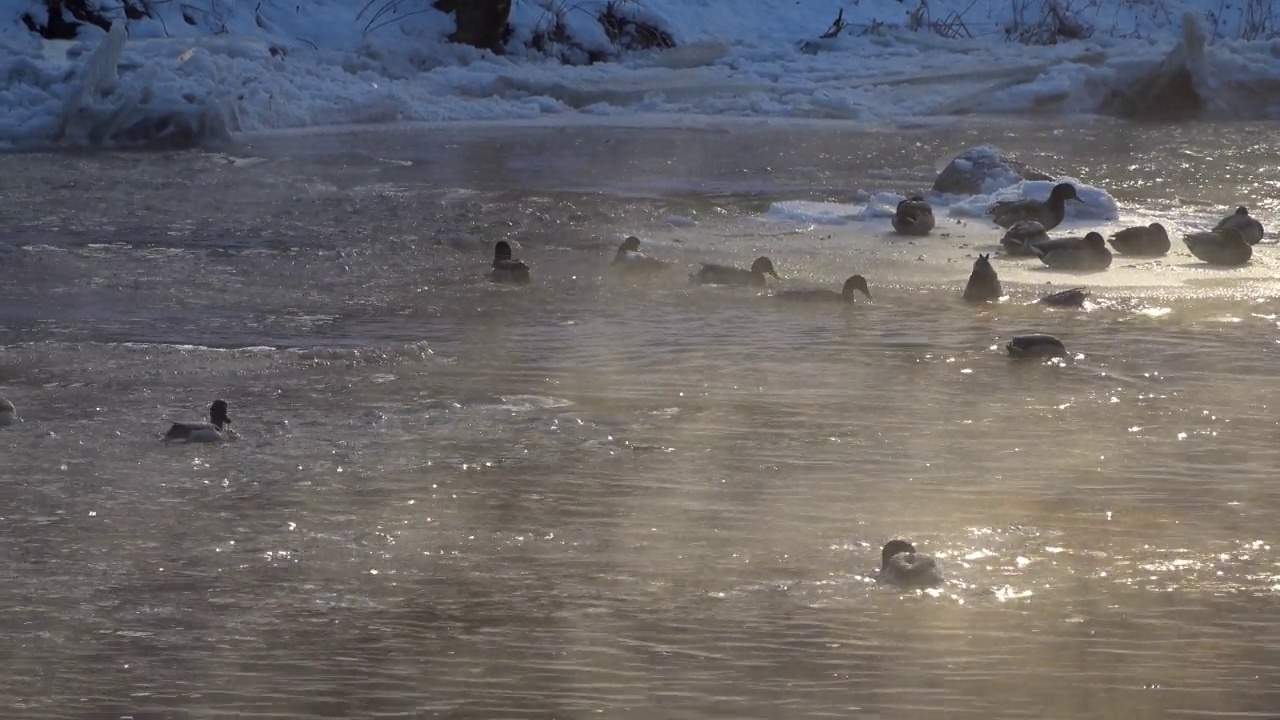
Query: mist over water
point(596, 497)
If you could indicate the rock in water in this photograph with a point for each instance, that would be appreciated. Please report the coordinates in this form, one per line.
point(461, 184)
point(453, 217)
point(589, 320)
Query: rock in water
point(983, 169)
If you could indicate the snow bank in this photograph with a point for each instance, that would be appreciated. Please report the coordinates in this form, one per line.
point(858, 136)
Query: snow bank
point(199, 71)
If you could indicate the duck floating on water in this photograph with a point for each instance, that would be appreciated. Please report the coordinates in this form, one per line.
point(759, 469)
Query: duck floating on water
point(855, 283)
point(1036, 345)
point(506, 269)
point(1226, 247)
point(900, 564)
point(712, 274)
point(984, 283)
point(630, 259)
point(1087, 254)
point(1250, 229)
point(1048, 213)
point(8, 413)
point(914, 216)
point(1022, 235)
point(1072, 297)
point(1149, 241)
point(216, 430)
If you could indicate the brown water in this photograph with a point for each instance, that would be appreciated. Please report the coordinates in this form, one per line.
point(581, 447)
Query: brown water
point(594, 498)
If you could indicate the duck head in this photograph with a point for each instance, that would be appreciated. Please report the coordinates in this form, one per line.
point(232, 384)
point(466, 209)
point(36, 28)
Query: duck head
point(912, 199)
point(1095, 241)
point(218, 411)
point(893, 547)
point(631, 244)
point(764, 266)
point(6, 406)
point(1159, 230)
point(855, 282)
point(1242, 211)
point(501, 251)
point(1063, 192)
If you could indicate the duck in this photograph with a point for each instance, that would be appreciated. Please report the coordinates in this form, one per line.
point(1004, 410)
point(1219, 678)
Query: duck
point(8, 413)
point(1250, 229)
point(1048, 213)
point(855, 282)
point(1149, 241)
point(1020, 236)
point(1036, 345)
point(712, 274)
point(1072, 297)
point(1220, 247)
point(984, 284)
point(629, 258)
point(900, 564)
point(505, 268)
point(1085, 254)
point(216, 430)
point(914, 216)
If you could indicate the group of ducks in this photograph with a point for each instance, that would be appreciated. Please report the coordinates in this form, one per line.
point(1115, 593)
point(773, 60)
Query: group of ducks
point(630, 260)
point(1027, 224)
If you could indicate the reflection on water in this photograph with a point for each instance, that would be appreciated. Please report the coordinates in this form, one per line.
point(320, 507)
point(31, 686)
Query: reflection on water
point(599, 497)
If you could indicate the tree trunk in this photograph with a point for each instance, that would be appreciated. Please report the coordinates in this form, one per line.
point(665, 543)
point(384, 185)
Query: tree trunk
point(481, 23)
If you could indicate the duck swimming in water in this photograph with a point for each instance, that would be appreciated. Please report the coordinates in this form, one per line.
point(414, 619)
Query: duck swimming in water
point(630, 259)
point(8, 413)
point(1225, 247)
point(983, 284)
point(855, 283)
point(900, 564)
point(505, 268)
point(1250, 229)
point(216, 430)
point(1048, 213)
point(712, 274)
point(1021, 236)
point(914, 216)
point(1149, 241)
point(1036, 345)
point(1087, 254)
point(1073, 297)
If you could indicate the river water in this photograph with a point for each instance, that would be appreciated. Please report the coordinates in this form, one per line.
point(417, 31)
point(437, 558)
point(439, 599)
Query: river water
point(597, 498)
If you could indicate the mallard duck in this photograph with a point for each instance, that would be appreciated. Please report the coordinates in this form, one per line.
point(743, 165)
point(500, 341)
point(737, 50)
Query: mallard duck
point(914, 216)
point(216, 430)
point(1250, 229)
point(854, 283)
point(1073, 297)
point(1085, 254)
point(983, 284)
point(8, 413)
point(1149, 241)
point(712, 274)
point(1220, 247)
point(1020, 236)
point(1048, 213)
point(900, 564)
point(1036, 345)
point(505, 268)
point(629, 258)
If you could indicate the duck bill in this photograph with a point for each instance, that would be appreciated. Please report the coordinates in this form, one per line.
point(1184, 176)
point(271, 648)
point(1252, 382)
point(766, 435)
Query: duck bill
point(775, 275)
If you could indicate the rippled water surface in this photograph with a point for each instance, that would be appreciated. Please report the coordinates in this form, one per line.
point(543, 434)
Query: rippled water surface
point(601, 498)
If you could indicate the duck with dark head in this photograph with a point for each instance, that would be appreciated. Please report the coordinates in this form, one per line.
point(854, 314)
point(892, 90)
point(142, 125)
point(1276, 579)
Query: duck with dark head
point(984, 283)
point(855, 284)
point(507, 269)
point(901, 565)
point(1049, 213)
